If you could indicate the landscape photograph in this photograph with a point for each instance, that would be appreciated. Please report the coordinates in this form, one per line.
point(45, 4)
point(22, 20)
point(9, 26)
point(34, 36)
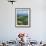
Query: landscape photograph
point(22, 17)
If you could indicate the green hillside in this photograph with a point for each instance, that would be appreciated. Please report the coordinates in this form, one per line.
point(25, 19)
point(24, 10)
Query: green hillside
point(22, 20)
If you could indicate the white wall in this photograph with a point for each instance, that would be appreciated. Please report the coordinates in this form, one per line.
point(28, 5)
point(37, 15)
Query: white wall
point(8, 31)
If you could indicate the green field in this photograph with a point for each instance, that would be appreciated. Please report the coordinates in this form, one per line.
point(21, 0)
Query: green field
point(22, 20)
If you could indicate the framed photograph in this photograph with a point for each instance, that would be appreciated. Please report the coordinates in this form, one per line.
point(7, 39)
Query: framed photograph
point(22, 17)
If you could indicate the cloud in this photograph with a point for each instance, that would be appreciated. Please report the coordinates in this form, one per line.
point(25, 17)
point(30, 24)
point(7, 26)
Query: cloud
point(22, 11)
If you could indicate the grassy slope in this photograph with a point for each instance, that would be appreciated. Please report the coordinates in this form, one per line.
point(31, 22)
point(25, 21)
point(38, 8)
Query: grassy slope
point(22, 20)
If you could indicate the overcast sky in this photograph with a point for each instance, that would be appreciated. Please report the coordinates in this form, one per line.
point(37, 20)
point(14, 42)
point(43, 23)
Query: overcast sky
point(22, 11)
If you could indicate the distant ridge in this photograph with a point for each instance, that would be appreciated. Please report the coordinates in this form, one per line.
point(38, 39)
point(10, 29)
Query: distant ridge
point(22, 14)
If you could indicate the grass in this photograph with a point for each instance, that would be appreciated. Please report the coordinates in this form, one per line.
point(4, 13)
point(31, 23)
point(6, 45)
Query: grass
point(22, 20)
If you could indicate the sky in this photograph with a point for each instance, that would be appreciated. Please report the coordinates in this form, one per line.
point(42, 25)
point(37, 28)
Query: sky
point(22, 11)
